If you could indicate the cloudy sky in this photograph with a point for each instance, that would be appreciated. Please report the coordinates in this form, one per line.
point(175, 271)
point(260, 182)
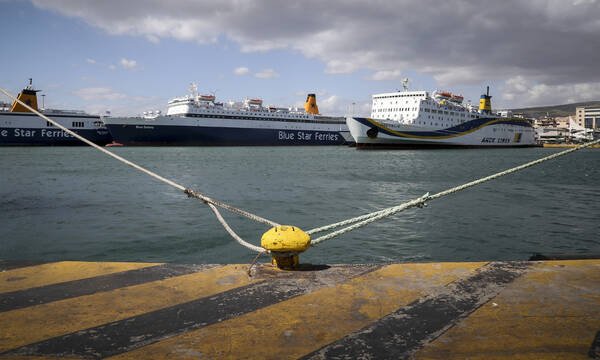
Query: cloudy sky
point(131, 56)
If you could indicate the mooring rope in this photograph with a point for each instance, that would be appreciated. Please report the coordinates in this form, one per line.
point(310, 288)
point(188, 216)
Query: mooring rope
point(189, 192)
point(366, 219)
point(357, 222)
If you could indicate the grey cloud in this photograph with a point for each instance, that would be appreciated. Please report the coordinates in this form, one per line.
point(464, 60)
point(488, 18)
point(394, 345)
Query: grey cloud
point(550, 42)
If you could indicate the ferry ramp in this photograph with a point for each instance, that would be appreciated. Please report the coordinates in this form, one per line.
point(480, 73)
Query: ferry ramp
point(474, 310)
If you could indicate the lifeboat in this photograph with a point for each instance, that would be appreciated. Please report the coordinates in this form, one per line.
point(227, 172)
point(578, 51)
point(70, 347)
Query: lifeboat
point(254, 104)
point(441, 95)
point(457, 98)
point(206, 98)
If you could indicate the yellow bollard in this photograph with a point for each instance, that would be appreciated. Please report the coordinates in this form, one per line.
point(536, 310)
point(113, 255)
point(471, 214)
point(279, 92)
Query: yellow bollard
point(285, 243)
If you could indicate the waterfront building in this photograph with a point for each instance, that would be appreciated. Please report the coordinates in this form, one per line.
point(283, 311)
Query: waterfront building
point(588, 117)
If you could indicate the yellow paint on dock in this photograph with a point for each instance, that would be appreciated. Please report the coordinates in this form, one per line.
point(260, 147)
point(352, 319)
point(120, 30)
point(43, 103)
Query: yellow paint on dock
point(550, 313)
point(569, 146)
point(303, 324)
point(52, 273)
point(36, 323)
point(498, 310)
point(25, 357)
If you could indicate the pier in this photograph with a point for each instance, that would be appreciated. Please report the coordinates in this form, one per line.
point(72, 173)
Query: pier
point(501, 310)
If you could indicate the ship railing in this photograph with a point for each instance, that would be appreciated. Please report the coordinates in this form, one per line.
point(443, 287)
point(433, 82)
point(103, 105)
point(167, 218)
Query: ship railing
point(69, 112)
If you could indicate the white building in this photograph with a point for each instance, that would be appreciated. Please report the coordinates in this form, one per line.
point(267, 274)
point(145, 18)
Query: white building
point(588, 117)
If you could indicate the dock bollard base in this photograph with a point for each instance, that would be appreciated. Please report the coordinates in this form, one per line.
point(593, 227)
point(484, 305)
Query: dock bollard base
point(285, 262)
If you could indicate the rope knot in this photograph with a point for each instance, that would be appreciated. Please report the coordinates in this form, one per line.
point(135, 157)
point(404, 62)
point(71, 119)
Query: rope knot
point(191, 193)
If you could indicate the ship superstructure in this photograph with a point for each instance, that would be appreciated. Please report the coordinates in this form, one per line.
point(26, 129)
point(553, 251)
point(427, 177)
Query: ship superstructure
point(19, 126)
point(419, 118)
point(199, 119)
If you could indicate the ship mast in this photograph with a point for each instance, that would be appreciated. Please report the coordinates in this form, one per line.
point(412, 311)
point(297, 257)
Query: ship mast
point(405, 82)
point(193, 89)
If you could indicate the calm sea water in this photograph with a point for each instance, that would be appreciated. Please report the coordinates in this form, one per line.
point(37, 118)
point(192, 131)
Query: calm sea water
point(64, 203)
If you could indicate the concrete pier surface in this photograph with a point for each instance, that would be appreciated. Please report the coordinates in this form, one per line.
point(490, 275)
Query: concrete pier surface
point(475, 310)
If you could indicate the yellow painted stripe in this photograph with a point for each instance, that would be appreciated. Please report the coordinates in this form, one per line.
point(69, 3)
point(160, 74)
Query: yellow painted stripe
point(28, 357)
point(46, 274)
point(403, 134)
point(36, 323)
point(304, 324)
point(552, 312)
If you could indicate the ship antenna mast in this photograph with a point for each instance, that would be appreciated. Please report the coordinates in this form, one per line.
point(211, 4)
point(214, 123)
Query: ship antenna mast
point(193, 89)
point(405, 82)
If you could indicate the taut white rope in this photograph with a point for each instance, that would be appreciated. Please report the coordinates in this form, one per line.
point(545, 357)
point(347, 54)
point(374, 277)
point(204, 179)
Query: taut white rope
point(366, 219)
point(358, 221)
point(189, 192)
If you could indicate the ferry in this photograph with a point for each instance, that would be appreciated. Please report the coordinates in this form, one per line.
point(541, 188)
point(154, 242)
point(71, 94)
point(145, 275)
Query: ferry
point(413, 119)
point(199, 120)
point(19, 126)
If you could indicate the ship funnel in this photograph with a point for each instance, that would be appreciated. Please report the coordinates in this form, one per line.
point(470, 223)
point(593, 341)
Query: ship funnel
point(485, 102)
point(311, 104)
point(28, 96)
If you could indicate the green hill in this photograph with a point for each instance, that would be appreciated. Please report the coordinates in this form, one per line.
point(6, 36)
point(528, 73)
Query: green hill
point(553, 111)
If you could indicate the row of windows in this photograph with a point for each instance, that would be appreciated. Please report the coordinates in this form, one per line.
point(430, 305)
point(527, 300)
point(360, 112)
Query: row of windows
point(73, 124)
point(589, 123)
point(458, 112)
point(395, 109)
point(263, 119)
point(233, 114)
point(397, 96)
point(451, 113)
point(375, 104)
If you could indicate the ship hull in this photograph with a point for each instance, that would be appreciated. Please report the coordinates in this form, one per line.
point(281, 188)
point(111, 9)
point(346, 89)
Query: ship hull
point(182, 131)
point(30, 130)
point(477, 133)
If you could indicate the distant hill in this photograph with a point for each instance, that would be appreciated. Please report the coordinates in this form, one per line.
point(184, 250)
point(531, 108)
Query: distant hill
point(553, 111)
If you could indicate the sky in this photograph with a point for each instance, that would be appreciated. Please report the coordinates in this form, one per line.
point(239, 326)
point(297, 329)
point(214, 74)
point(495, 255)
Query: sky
point(131, 56)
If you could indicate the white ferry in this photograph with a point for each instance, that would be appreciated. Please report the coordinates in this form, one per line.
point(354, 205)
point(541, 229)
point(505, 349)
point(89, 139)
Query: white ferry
point(19, 126)
point(200, 120)
point(407, 119)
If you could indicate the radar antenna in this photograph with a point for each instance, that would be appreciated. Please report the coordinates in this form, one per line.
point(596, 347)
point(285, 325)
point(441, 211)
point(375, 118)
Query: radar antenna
point(193, 89)
point(405, 82)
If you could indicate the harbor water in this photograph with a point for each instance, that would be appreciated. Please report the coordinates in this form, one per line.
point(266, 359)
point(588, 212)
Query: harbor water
point(65, 203)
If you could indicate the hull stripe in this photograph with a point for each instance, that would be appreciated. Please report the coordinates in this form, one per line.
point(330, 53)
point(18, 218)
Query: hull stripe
point(459, 130)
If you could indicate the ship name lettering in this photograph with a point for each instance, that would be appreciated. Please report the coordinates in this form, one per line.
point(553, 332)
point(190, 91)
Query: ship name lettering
point(488, 140)
point(55, 133)
point(503, 140)
point(304, 136)
point(4, 133)
point(24, 133)
point(326, 137)
point(285, 136)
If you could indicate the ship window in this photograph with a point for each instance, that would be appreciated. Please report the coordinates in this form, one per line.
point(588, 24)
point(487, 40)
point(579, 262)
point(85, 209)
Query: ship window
point(48, 123)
